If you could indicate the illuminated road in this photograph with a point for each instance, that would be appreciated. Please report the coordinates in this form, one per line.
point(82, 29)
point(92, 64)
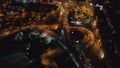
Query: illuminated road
point(90, 36)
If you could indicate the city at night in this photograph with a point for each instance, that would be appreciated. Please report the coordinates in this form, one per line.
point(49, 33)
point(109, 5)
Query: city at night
point(59, 33)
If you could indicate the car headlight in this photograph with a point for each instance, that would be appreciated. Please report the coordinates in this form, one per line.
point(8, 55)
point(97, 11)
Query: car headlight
point(101, 54)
